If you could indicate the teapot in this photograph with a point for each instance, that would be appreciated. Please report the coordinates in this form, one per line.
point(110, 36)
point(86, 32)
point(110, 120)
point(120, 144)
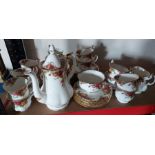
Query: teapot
point(57, 69)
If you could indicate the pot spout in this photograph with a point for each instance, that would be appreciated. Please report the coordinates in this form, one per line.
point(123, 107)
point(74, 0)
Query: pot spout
point(38, 94)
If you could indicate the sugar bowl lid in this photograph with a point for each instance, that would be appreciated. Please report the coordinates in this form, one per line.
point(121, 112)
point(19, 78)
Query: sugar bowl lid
point(14, 84)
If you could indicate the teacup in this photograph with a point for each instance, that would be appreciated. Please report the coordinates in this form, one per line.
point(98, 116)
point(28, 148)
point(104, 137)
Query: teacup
point(85, 52)
point(19, 92)
point(91, 80)
point(127, 82)
point(144, 76)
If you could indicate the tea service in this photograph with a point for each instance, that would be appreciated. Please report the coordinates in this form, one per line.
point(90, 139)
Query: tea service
point(49, 81)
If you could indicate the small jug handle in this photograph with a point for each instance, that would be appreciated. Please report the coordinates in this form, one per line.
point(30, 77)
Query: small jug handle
point(151, 83)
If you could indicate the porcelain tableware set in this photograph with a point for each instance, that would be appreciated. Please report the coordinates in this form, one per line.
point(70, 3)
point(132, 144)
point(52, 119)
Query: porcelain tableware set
point(49, 81)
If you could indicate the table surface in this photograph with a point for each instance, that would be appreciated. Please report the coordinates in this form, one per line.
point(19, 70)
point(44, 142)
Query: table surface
point(145, 99)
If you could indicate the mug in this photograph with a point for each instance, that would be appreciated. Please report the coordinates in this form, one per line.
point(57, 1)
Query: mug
point(91, 80)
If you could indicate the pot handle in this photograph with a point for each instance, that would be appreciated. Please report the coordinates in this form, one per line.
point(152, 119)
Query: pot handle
point(70, 62)
point(151, 83)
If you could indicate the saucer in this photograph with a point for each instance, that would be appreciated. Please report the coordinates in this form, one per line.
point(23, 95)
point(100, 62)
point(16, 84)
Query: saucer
point(93, 100)
point(84, 68)
point(18, 72)
point(87, 59)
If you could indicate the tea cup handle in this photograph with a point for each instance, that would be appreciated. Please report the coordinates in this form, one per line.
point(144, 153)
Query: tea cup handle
point(95, 58)
point(151, 83)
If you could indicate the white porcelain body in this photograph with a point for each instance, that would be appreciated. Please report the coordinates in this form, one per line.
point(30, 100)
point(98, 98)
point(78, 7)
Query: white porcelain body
point(58, 91)
point(91, 87)
point(114, 73)
point(128, 86)
point(17, 97)
point(123, 97)
point(24, 107)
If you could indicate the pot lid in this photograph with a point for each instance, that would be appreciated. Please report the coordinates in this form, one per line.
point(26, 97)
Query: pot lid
point(52, 61)
point(140, 71)
point(14, 84)
point(126, 78)
point(118, 67)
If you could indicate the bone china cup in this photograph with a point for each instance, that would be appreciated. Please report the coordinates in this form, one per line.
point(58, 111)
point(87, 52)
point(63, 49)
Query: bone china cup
point(91, 80)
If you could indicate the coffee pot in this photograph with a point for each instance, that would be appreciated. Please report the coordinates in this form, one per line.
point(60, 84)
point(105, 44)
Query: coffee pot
point(56, 91)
